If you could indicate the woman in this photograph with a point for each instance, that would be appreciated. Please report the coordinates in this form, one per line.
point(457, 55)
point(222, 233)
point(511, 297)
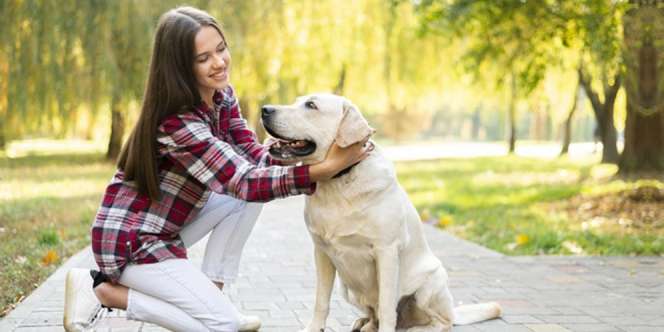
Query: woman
point(190, 167)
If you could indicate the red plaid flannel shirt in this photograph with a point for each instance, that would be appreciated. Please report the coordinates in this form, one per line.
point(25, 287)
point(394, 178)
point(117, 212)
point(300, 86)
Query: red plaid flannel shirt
point(198, 152)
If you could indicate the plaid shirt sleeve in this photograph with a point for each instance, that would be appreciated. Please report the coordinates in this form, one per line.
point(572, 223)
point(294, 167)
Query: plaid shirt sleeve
point(187, 140)
point(243, 137)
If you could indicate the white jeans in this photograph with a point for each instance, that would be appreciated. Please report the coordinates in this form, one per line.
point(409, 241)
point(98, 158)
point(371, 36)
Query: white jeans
point(174, 293)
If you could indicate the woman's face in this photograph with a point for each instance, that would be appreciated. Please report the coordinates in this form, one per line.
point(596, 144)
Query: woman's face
point(212, 62)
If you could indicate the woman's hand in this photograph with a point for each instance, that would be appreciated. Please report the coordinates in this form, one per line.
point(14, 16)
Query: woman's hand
point(339, 158)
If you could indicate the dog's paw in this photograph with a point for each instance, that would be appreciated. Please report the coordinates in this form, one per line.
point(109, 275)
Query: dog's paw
point(358, 323)
point(364, 324)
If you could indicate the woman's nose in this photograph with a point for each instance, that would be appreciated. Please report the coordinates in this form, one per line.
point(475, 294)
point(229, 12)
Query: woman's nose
point(219, 61)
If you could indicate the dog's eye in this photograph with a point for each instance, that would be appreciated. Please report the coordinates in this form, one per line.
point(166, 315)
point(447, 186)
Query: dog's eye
point(311, 104)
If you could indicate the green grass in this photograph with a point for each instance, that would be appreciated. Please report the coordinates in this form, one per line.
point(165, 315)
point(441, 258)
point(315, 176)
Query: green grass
point(49, 192)
point(512, 204)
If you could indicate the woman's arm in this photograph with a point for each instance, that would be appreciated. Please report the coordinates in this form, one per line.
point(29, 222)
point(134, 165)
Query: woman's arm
point(243, 137)
point(187, 140)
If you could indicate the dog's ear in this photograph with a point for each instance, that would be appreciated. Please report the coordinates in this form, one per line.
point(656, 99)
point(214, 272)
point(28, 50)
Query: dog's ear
point(353, 127)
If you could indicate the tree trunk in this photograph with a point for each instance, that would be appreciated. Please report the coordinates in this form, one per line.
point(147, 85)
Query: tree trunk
point(512, 116)
point(609, 136)
point(604, 115)
point(117, 128)
point(3, 138)
point(341, 83)
point(644, 84)
point(644, 143)
point(567, 132)
point(476, 122)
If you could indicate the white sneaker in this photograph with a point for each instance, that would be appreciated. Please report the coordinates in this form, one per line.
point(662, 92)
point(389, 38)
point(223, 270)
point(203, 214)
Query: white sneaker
point(82, 308)
point(249, 323)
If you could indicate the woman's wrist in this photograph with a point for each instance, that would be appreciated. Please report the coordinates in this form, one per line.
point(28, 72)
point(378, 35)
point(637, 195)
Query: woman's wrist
point(319, 172)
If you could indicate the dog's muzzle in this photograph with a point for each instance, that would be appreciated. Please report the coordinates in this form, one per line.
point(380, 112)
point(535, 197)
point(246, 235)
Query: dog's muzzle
point(284, 148)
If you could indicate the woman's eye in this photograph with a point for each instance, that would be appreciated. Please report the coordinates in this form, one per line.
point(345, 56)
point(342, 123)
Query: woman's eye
point(310, 104)
point(202, 59)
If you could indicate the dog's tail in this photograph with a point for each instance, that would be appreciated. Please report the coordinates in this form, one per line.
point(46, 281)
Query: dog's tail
point(473, 313)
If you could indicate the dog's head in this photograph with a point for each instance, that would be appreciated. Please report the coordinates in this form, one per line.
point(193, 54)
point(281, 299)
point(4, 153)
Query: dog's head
point(306, 129)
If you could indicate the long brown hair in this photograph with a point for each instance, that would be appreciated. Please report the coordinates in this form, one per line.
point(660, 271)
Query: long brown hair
point(170, 88)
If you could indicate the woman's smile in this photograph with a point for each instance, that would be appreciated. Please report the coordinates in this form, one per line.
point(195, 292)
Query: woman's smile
point(220, 75)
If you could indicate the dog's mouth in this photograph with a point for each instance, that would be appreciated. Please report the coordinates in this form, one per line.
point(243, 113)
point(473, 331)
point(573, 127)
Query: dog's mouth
point(289, 148)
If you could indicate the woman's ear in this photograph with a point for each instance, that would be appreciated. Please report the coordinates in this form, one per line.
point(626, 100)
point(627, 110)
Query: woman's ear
point(353, 127)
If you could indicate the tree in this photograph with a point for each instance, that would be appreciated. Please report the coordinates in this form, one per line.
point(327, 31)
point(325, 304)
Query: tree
point(567, 131)
point(596, 23)
point(603, 110)
point(128, 44)
point(644, 84)
point(510, 42)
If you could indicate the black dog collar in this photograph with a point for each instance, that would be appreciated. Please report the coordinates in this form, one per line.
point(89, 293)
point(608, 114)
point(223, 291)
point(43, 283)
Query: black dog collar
point(347, 169)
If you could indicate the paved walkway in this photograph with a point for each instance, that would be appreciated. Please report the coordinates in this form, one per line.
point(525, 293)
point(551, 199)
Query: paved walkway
point(543, 294)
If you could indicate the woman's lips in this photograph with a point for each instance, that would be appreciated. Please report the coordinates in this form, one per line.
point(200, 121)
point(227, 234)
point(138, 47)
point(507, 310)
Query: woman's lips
point(220, 75)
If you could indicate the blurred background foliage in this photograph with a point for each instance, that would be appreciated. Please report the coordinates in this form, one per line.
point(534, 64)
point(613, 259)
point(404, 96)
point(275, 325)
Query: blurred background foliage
point(436, 72)
point(471, 70)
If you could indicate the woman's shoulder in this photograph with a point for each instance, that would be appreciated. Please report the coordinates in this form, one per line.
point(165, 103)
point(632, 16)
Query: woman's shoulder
point(184, 128)
point(181, 119)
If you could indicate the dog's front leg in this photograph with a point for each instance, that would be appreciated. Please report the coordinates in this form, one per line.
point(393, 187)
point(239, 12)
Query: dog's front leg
point(325, 272)
point(387, 261)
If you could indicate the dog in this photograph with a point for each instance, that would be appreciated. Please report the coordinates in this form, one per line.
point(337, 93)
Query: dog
point(364, 227)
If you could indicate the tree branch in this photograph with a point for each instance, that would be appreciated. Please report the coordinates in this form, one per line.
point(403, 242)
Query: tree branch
point(592, 95)
point(612, 91)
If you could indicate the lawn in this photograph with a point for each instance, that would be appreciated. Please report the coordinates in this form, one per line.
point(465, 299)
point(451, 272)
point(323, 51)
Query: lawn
point(528, 206)
point(49, 192)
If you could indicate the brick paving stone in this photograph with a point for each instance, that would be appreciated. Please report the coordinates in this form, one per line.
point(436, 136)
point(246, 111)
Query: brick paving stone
point(520, 319)
point(118, 323)
point(283, 314)
point(567, 319)
point(591, 328)
point(643, 328)
point(277, 282)
point(38, 329)
point(546, 328)
point(499, 325)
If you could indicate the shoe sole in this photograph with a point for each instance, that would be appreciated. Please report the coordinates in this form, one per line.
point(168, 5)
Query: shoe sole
point(250, 327)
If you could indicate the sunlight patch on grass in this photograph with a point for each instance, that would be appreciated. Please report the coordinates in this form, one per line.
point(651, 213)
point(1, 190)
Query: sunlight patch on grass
point(49, 193)
point(68, 188)
point(501, 201)
point(520, 179)
point(48, 147)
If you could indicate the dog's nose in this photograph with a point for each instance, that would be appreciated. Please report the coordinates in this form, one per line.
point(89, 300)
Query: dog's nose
point(266, 111)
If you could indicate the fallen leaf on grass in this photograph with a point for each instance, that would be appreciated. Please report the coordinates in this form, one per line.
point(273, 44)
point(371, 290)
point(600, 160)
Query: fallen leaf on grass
point(445, 221)
point(50, 257)
point(522, 239)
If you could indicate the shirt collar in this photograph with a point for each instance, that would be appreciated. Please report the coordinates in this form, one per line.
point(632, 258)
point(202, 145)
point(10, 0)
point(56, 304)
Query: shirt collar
point(217, 99)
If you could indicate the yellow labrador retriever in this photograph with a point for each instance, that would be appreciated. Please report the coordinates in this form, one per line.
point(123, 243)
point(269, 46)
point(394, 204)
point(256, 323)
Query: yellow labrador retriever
point(364, 228)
